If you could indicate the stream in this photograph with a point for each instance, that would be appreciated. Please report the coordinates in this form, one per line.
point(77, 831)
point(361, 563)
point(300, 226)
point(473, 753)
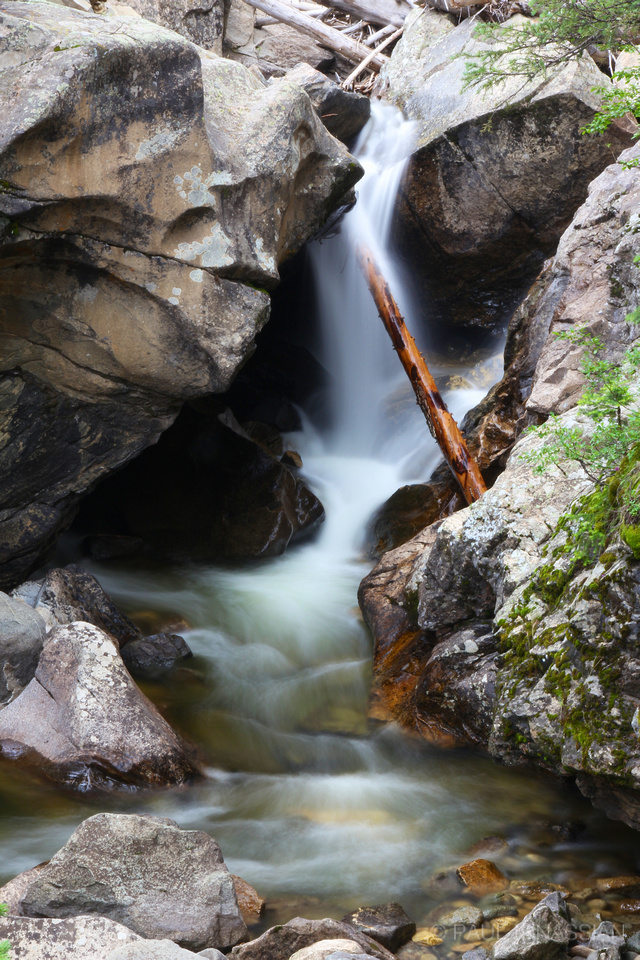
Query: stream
point(319, 808)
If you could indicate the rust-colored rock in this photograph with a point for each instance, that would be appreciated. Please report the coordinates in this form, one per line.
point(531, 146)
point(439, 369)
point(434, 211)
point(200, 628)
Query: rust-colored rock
point(250, 902)
point(481, 877)
point(621, 886)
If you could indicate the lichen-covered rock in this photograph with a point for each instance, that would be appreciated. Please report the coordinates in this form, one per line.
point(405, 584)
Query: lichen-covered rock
point(12, 892)
point(496, 175)
point(77, 938)
point(128, 279)
point(151, 950)
point(146, 873)
point(86, 723)
point(330, 950)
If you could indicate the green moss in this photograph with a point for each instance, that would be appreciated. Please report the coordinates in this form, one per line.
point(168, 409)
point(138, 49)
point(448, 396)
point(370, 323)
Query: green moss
point(607, 558)
point(630, 533)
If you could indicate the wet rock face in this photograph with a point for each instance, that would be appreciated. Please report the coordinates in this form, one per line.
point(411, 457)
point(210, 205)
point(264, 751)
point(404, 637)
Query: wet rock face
point(496, 176)
point(68, 594)
point(154, 655)
point(132, 164)
point(83, 720)
point(145, 873)
point(344, 114)
point(387, 923)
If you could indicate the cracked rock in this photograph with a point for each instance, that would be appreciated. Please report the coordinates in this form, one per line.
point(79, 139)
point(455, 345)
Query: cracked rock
point(85, 722)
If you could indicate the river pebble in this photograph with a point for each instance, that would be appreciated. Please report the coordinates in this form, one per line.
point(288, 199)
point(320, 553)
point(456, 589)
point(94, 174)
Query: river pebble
point(491, 913)
point(502, 925)
point(463, 916)
point(428, 935)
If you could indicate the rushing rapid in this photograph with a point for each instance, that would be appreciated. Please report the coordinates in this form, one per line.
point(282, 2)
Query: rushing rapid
point(305, 795)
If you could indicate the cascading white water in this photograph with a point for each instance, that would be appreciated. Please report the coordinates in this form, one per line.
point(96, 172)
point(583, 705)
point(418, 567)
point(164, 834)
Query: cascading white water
point(304, 797)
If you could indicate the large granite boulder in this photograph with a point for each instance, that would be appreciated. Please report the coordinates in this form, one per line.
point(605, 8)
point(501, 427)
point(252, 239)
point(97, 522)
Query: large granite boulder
point(85, 722)
point(132, 162)
point(146, 873)
point(496, 639)
point(496, 175)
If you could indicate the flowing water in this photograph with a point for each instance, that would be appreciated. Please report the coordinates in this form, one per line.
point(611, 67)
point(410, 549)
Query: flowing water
point(307, 797)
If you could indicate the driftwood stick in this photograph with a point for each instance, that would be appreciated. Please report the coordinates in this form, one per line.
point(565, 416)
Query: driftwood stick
point(378, 35)
point(350, 28)
point(355, 73)
point(327, 36)
point(382, 12)
point(441, 424)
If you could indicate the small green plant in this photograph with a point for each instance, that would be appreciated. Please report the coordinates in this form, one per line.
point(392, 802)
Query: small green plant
point(608, 450)
point(5, 946)
point(611, 405)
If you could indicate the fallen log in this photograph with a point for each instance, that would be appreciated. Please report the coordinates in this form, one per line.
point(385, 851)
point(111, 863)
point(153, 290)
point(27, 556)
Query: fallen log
point(441, 424)
point(327, 36)
point(382, 12)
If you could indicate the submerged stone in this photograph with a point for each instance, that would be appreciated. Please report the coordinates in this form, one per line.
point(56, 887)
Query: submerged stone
point(387, 923)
